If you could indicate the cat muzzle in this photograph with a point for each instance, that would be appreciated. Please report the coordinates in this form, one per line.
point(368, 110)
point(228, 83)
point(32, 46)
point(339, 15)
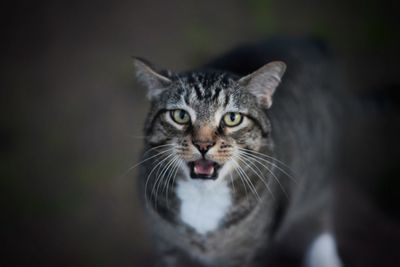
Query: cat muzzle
point(203, 169)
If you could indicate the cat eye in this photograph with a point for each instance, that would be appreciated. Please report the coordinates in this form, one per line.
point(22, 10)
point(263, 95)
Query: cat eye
point(232, 119)
point(180, 116)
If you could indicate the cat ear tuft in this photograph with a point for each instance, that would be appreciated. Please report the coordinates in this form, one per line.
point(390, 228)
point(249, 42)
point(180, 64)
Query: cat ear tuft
point(263, 82)
point(146, 74)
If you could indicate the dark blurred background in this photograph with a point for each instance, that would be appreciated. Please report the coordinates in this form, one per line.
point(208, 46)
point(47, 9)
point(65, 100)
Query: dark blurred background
point(71, 116)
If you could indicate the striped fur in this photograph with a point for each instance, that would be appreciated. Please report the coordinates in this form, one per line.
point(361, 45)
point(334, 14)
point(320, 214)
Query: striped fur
point(274, 165)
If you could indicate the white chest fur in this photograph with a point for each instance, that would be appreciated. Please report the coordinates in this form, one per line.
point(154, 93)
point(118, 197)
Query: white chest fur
point(203, 203)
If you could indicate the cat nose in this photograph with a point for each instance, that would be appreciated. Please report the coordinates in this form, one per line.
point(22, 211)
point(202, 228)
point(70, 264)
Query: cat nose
point(203, 146)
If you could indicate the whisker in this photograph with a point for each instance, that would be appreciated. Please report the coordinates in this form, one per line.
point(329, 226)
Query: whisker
point(265, 155)
point(174, 171)
point(159, 169)
point(159, 177)
point(271, 163)
point(244, 185)
point(257, 173)
point(168, 172)
point(268, 169)
point(151, 172)
point(248, 180)
point(125, 174)
point(147, 159)
point(156, 147)
point(163, 173)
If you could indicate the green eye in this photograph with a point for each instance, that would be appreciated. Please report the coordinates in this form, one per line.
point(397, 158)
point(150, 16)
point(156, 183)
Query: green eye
point(180, 116)
point(232, 119)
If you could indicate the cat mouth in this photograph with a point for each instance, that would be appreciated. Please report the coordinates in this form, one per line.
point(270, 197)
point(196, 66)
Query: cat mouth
point(204, 169)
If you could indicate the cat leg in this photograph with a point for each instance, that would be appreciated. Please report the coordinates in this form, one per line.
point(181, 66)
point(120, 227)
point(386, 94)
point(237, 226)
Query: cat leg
point(168, 259)
point(323, 252)
point(176, 258)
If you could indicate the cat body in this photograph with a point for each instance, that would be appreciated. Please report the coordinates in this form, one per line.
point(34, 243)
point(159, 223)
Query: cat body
point(239, 157)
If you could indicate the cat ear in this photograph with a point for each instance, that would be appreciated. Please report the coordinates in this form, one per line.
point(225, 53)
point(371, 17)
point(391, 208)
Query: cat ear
point(155, 82)
point(263, 82)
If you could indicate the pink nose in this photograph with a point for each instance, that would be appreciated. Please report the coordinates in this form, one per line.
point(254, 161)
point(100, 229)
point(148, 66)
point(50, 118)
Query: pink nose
point(203, 146)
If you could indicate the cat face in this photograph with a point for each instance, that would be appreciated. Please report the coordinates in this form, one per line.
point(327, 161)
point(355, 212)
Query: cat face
point(206, 118)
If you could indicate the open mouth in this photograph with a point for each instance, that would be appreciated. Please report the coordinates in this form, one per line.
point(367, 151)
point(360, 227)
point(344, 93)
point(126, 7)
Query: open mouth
point(203, 169)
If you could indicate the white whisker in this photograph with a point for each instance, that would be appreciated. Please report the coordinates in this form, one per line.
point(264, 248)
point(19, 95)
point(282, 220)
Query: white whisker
point(156, 147)
point(268, 169)
point(151, 172)
point(248, 180)
point(168, 176)
point(265, 155)
point(143, 161)
point(147, 159)
point(244, 185)
point(174, 173)
point(160, 177)
point(269, 162)
point(258, 174)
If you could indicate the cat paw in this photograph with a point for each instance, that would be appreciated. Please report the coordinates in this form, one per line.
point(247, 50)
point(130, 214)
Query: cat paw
point(323, 252)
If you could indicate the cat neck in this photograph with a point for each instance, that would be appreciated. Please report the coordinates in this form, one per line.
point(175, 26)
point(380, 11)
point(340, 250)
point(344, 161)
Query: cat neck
point(205, 206)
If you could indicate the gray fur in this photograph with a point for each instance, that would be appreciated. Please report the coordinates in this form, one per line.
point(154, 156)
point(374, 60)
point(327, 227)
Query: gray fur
point(297, 132)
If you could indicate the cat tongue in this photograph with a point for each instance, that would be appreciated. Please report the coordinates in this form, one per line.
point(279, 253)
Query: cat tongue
point(204, 167)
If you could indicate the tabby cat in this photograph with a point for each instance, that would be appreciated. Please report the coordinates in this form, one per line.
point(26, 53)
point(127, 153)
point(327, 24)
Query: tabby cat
point(239, 158)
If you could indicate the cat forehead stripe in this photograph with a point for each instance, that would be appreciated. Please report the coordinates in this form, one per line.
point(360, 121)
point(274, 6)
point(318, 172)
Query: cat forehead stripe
point(205, 86)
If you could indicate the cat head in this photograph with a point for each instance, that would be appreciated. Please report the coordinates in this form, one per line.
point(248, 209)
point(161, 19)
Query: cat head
point(207, 118)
